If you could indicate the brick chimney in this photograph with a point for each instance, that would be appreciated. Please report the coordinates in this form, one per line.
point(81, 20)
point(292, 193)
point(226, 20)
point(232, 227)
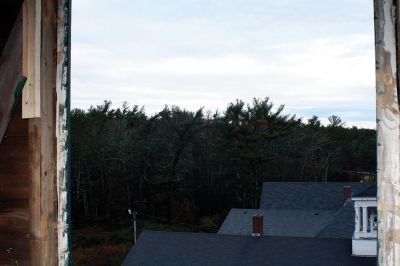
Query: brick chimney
point(346, 193)
point(258, 225)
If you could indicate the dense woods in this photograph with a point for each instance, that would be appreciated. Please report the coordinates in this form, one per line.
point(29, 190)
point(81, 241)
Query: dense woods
point(192, 167)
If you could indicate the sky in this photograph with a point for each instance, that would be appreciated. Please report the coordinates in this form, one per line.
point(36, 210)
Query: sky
point(315, 57)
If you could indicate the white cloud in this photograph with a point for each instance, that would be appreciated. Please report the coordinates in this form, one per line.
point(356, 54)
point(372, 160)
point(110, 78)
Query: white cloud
point(203, 60)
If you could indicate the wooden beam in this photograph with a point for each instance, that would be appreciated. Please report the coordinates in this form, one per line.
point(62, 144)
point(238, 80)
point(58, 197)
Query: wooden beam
point(62, 130)
point(32, 17)
point(388, 144)
point(11, 78)
point(43, 148)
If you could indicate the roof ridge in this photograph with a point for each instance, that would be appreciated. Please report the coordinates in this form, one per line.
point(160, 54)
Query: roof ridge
point(336, 215)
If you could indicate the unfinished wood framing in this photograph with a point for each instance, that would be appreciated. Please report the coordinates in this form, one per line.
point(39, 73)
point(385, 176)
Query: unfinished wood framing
point(388, 122)
point(32, 12)
point(42, 147)
point(34, 172)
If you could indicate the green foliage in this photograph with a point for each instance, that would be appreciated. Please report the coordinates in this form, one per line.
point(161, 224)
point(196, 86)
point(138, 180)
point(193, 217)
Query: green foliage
point(335, 121)
point(180, 166)
point(99, 244)
point(209, 224)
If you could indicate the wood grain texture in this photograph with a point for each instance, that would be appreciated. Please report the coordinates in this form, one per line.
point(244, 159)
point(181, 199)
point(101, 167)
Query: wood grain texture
point(28, 154)
point(14, 251)
point(388, 122)
point(42, 148)
point(10, 75)
point(32, 20)
point(14, 193)
point(62, 130)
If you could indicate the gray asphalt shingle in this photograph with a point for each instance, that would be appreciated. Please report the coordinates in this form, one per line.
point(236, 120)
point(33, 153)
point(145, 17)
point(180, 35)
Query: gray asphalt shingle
point(172, 248)
point(301, 223)
point(368, 193)
point(306, 195)
point(313, 212)
point(289, 210)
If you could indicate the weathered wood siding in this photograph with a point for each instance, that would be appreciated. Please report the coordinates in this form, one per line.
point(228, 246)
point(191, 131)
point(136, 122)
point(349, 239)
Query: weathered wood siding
point(388, 122)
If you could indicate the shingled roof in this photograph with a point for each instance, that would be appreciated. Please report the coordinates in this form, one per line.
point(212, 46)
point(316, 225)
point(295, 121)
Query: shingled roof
point(304, 224)
point(367, 193)
point(300, 223)
point(172, 248)
point(306, 195)
point(342, 224)
point(300, 209)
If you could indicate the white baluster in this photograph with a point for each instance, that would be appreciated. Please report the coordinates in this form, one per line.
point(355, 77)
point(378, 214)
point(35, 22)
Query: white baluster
point(365, 219)
point(357, 221)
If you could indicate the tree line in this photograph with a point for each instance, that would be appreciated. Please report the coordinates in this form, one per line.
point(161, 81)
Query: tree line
point(181, 166)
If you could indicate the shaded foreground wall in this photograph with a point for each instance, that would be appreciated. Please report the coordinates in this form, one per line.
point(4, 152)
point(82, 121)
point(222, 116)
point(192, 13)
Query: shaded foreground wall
point(34, 110)
point(14, 193)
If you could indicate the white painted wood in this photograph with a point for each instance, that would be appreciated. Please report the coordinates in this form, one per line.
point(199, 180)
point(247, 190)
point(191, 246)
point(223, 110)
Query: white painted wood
point(362, 203)
point(364, 247)
point(365, 219)
point(367, 234)
point(357, 222)
point(388, 142)
point(62, 130)
point(364, 199)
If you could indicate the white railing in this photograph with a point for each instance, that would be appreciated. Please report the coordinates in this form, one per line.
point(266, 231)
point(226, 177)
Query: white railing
point(365, 219)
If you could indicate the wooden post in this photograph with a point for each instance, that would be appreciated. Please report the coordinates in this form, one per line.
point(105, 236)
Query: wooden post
point(42, 147)
point(32, 12)
point(388, 122)
point(34, 152)
point(62, 129)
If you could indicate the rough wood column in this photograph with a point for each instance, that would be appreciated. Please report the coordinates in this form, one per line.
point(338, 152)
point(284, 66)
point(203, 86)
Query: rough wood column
point(32, 10)
point(388, 122)
point(42, 148)
point(62, 130)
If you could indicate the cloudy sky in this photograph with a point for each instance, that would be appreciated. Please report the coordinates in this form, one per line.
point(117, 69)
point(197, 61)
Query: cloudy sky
point(316, 57)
